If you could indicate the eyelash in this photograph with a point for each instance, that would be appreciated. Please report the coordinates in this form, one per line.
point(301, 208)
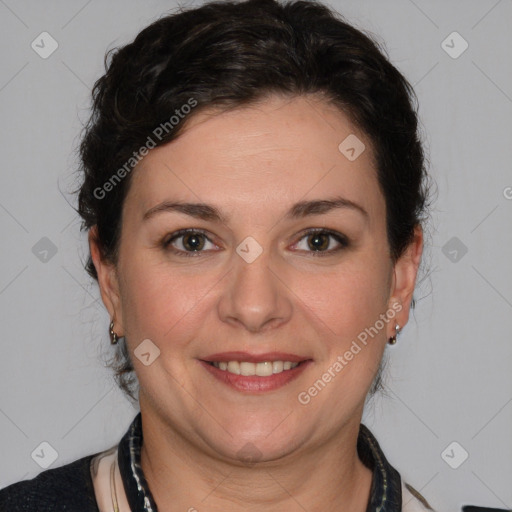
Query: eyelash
point(341, 239)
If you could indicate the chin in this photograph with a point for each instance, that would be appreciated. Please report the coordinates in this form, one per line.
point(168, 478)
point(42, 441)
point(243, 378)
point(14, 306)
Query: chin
point(257, 441)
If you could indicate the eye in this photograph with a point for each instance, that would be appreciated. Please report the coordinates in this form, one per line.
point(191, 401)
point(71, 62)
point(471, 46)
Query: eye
point(187, 242)
point(320, 242)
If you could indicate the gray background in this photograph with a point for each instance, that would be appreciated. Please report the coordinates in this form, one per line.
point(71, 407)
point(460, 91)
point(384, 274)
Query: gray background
point(449, 375)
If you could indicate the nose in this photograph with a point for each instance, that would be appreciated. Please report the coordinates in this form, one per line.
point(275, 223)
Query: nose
point(255, 295)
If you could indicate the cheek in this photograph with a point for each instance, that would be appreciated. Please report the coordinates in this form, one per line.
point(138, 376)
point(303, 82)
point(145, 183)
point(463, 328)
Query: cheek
point(159, 302)
point(346, 301)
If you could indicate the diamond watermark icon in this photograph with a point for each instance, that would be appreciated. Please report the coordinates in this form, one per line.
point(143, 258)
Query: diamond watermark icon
point(454, 45)
point(454, 249)
point(44, 455)
point(454, 455)
point(351, 147)
point(44, 45)
point(249, 249)
point(44, 249)
point(249, 453)
point(146, 352)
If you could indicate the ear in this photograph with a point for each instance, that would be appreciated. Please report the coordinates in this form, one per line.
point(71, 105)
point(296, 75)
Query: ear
point(107, 281)
point(404, 278)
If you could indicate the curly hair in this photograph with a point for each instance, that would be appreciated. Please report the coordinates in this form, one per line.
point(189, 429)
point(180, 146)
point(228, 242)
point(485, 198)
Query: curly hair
point(226, 54)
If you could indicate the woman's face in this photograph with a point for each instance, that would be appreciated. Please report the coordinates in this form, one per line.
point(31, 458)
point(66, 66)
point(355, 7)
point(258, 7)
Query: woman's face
point(257, 281)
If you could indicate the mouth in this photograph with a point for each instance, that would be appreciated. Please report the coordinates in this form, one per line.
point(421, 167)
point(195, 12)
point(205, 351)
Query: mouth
point(255, 373)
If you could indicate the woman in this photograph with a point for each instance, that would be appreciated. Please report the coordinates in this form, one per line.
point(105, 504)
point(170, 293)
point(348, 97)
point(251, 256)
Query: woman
point(254, 190)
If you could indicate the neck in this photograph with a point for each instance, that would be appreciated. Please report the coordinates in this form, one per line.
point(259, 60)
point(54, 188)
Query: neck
point(183, 477)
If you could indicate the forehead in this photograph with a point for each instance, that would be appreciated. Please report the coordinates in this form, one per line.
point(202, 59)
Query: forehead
point(267, 155)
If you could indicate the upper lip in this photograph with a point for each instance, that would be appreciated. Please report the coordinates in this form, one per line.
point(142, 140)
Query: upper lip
point(255, 358)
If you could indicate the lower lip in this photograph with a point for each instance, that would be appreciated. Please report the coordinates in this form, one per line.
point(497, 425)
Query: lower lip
point(253, 383)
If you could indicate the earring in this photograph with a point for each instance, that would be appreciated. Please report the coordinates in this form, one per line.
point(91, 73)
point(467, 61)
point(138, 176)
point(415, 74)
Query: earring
point(113, 336)
point(392, 340)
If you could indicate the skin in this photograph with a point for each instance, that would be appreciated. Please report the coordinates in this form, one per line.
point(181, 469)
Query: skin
point(254, 163)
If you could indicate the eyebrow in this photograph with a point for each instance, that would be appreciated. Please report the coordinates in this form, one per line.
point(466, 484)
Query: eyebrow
point(299, 210)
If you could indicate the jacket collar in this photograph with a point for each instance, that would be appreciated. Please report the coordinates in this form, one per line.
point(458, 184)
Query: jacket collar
point(386, 490)
point(385, 494)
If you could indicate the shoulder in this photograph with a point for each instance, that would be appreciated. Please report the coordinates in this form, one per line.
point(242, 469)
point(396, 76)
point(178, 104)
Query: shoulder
point(412, 500)
point(67, 488)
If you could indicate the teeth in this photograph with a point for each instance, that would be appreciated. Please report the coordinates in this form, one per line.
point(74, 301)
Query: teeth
point(263, 369)
point(233, 367)
point(277, 366)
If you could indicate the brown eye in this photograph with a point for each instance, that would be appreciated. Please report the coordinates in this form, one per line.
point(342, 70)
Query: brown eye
point(321, 242)
point(188, 242)
point(318, 241)
point(193, 242)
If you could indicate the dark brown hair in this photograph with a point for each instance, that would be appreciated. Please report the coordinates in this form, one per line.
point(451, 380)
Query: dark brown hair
point(227, 54)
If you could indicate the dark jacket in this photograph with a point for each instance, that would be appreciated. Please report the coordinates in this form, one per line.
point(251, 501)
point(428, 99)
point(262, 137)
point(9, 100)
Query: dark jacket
point(66, 488)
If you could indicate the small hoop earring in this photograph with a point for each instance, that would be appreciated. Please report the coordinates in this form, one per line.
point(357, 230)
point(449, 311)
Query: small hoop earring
point(392, 340)
point(113, 336)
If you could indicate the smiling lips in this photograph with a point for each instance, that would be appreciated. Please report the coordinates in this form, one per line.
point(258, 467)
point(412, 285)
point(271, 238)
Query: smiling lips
point(255, 372)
